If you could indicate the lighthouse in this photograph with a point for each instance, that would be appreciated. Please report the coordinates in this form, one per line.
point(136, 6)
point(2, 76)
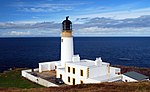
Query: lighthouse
point(71, 70)
point(67, 50)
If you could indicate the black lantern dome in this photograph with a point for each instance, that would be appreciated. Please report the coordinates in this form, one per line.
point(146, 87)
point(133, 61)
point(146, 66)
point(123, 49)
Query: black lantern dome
point(67, 24)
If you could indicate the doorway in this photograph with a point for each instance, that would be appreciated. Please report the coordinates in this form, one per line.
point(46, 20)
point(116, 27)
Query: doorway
point(60, 76)
point(73, 81)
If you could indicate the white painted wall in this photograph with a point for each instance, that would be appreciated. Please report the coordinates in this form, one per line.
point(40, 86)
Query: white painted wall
point(98, 61)
point(94, 71)
point(77, 75)
point(47, 66)
point(60, 71)
point(38, 80)
point(124, 78)
point(76, 58)
point(113, 78)
point(114, 70)
point(67, 50)
point(97, 71)
point(90, 80)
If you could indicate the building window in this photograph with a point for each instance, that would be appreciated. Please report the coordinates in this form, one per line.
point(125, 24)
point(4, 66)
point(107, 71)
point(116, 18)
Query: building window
point(68, 79)
point(81, 82)
point(69, 69)
point(81, 72)
point(60, 76)
point(87, 72)
point(73, 70)
point(118, 73)
point(61, 40)
point(108, 68)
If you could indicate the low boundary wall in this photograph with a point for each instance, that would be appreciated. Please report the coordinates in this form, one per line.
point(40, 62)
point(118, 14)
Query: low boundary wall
point(38, 80)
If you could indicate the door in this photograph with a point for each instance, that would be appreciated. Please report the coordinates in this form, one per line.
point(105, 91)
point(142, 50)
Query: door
point(60, 76)
point(73, 81)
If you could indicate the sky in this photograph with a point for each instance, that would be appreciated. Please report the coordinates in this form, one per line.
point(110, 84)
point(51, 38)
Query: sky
point(42, 18)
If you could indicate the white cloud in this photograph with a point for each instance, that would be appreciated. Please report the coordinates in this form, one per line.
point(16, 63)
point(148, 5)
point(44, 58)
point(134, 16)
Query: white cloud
point(90, 27)
point(95, 31)
point(123, 14)
point(18, 33)
point(45, 7)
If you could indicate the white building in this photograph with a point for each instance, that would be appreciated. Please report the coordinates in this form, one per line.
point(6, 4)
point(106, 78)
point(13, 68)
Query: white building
point(72, 70)
point(134, 77)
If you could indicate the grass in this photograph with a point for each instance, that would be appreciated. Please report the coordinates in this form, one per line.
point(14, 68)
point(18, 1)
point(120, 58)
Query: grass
point(14, 79)
point(124, 69)
point(100, 87)
point(11, 81)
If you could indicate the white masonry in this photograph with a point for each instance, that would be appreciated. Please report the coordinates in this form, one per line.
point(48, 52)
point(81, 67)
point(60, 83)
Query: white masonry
point(74, 71)
point(66, 49)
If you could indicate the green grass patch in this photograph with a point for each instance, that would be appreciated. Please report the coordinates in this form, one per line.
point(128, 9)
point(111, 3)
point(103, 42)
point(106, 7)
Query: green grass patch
point(15, 80)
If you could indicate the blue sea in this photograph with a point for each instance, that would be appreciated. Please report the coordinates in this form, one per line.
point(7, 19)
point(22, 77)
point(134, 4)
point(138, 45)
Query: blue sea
point(28, 52)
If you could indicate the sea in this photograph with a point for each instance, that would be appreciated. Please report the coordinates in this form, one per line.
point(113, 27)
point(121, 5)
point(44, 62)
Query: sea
point(27, 52)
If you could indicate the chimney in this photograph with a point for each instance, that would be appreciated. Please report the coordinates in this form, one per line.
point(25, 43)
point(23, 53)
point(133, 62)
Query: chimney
point(98, 61)
point(76, 58)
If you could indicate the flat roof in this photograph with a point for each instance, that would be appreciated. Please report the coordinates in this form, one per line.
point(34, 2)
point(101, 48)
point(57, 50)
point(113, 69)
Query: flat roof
point(87, 63)
point(135, 75)
point(48, 62)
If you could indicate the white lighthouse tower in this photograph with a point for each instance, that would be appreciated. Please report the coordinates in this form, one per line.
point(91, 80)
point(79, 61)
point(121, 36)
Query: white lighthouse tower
point(71, 69)
point(67, 50)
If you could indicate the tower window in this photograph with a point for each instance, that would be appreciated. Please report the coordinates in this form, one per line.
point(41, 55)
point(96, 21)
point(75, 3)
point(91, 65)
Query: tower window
point(81, 72)
point(61, 40)
point(69, 69)
point(73, 70)
point(68, 79)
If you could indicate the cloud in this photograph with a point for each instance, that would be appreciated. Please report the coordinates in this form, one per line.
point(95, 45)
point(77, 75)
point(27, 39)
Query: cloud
point(96, 31)
point(30, 29)
point(117, 14)
point(44, 7)
point(47, 8)
point(101, 26)
point(19, 25)
point(98, 26)
point(143, 21)
point(75, 8)
point(16, 33)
